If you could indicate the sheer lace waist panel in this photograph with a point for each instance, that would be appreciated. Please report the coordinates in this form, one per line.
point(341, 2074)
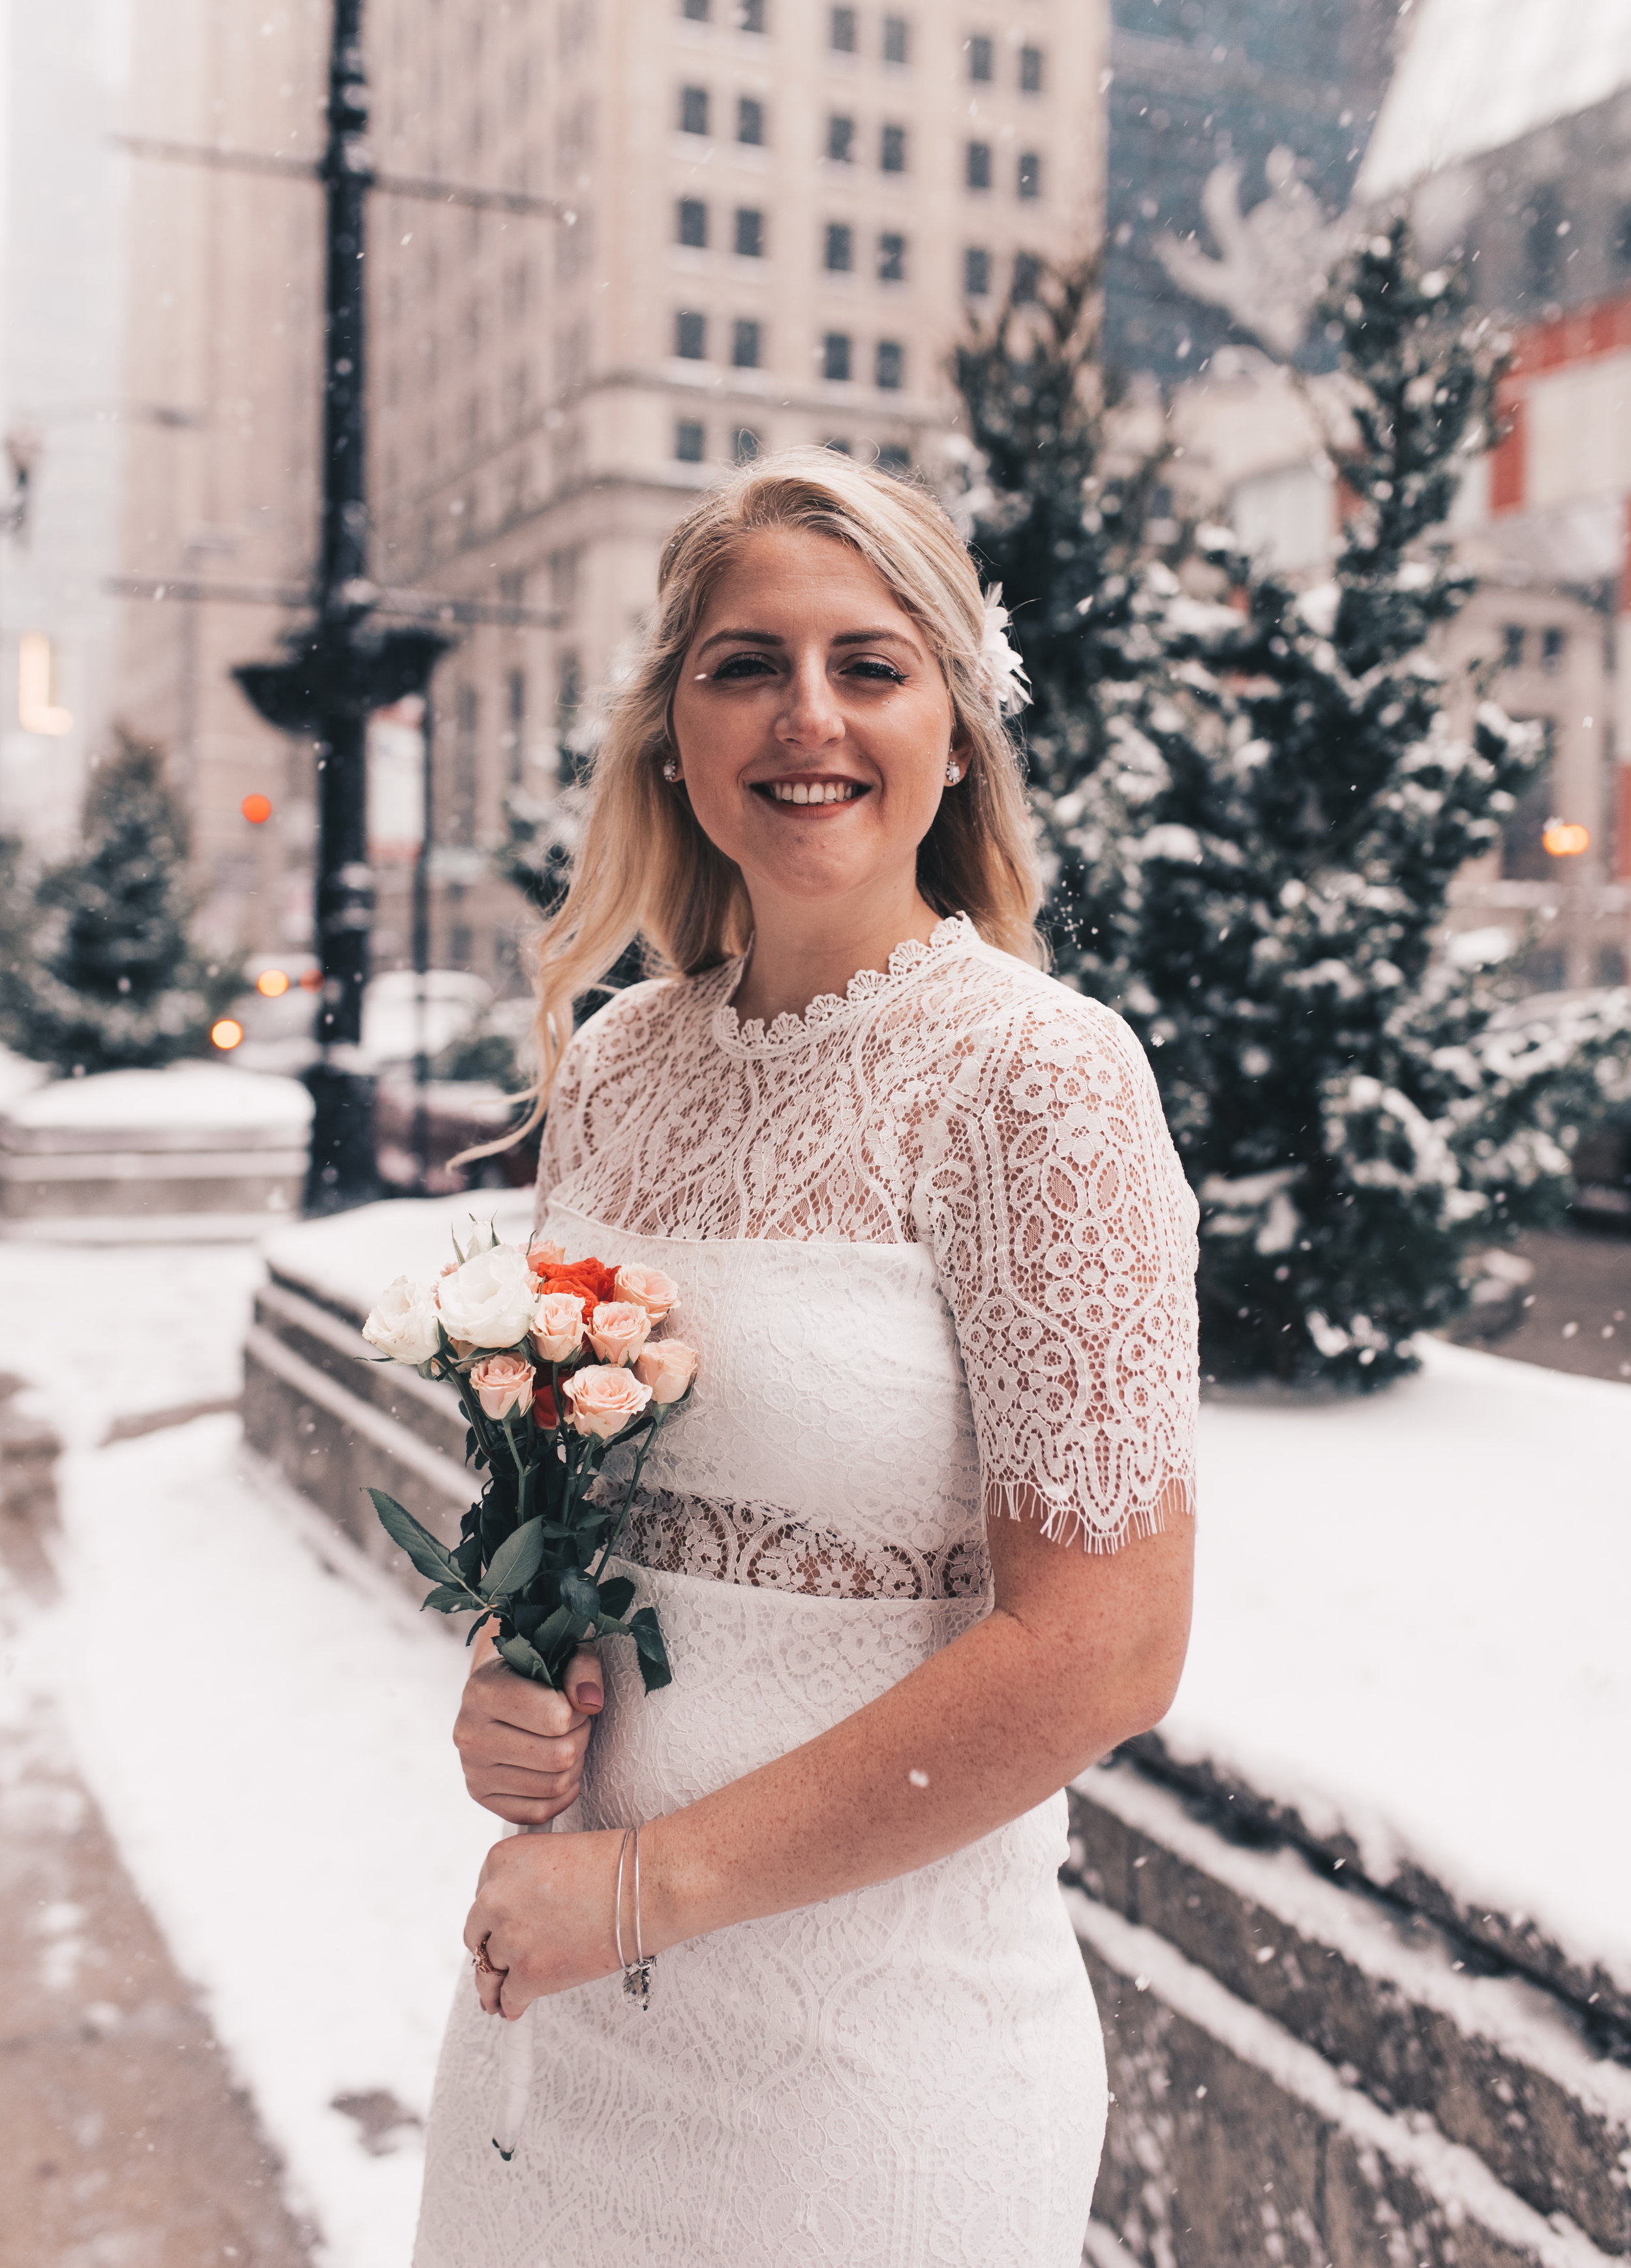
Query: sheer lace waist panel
point(769, 1549)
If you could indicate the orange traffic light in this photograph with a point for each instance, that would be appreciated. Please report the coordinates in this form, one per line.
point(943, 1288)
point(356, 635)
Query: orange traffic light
point(1566, 838)
point(257, 809)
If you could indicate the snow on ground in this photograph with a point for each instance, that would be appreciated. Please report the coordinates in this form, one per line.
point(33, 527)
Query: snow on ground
point(185, 1098)
point(269, 1741)
point(109, 1331)
point(1410, 1622)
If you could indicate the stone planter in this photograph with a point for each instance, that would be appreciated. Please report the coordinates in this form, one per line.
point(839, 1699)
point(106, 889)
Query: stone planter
point(196, 1153)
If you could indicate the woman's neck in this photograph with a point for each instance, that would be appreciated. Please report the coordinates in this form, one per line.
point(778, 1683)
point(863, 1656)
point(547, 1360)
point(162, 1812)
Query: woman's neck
point(801, 951)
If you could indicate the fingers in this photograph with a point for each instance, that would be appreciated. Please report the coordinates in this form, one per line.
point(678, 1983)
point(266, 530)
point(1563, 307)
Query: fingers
point(522, 1810)
point(583, 1683)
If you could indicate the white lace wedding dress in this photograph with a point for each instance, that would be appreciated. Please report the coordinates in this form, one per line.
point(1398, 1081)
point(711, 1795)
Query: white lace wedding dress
point(935, 1249)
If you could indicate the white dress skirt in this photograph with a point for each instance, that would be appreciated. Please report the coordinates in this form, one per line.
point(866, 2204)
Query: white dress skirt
point(905, 2076)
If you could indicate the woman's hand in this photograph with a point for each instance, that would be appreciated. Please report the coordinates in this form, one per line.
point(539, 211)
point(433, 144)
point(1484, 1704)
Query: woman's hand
point(521, 1745)
point(543, 1909)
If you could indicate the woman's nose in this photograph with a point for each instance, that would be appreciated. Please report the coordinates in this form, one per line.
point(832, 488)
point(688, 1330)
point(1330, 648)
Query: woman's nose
point(811, 718)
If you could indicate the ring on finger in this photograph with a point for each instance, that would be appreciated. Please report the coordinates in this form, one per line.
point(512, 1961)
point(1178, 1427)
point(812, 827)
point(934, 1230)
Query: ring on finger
point(484, 1966)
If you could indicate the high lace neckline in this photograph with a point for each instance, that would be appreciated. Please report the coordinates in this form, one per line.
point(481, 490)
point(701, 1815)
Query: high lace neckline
point(828, 1008)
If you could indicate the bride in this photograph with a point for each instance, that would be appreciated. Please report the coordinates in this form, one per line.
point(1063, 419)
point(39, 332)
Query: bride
point(920, 1545)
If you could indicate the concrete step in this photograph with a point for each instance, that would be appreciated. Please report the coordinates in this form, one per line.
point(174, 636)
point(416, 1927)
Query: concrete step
point(1342, 2050)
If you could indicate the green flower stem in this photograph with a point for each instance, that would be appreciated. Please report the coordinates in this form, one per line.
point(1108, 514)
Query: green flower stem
point(611, 1545)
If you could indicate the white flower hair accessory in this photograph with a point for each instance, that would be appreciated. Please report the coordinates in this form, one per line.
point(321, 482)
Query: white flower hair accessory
point(1000, 671)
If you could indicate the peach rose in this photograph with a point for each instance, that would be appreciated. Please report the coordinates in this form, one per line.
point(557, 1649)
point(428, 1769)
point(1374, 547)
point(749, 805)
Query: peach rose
point(541, 1253)
point(504, 1385)
point(668, 1367)
point(647, 1288)
point(618, 1329)
point(603, 1400)
point(558, 1326)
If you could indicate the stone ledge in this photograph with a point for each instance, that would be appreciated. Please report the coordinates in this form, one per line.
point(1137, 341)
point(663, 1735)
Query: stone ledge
point(1230, 2141)
point(1501, 2067)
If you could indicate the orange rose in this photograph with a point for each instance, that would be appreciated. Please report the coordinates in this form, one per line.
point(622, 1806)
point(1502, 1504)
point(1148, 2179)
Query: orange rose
point(504, 1385)
point(647, 1288)
point(618, 1330)
point(591, 1280)
point(604, 1401)
point(668, 1367)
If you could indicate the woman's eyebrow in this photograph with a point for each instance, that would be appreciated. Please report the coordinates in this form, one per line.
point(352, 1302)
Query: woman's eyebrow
point(844, 637)
point(748, 637)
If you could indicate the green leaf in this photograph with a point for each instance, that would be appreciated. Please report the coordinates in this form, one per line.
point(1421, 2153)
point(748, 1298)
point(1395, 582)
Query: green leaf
point(447, 1599)
point(469, 1636)
point(522, 1658)
point(418, 1542)
point(653, 1655)
point(579, 1596)
point(516, 1561)
point(616, 1596)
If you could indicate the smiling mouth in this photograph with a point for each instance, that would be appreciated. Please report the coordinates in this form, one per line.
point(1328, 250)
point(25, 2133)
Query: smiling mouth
point(809, 792)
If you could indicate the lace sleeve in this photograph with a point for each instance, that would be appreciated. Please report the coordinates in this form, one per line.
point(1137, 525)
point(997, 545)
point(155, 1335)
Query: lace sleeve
point(1064, 1234)
point(561, 1150)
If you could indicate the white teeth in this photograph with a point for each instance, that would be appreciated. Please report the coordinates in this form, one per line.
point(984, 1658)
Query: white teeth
point(823, 791)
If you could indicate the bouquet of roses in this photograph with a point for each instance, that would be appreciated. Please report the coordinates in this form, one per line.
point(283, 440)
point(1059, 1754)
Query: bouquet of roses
point(554, 1365)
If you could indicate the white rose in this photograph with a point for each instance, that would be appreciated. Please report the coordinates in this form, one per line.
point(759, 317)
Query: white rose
point(489, 1300)
point(404, 1324)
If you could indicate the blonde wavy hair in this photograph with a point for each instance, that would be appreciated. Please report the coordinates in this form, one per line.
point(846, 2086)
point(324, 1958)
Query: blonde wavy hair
point(645, 869)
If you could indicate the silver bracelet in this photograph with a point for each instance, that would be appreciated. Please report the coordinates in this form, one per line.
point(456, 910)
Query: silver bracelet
point(636, 1974)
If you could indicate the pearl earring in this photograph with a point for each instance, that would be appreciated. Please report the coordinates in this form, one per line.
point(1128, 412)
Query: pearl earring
point(954, 771)
point(670, 768)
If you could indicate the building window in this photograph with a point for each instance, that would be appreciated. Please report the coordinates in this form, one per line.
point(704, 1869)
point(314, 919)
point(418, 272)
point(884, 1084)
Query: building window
point(745, 341)
point(693, 223)
point(750, 120)
point(467, 721)
point(976, 165)
point(1547, 229)
point(897, 39)
point(516, 736)
point(841, 141)
point(1031, 70)
point(892, 458)
point(693, 110)
point(1553, 646)
point(891, 259)
point(892, 153)
point(691, 335)
point(1027, 276)
point(688, 441)
point(749, 233)
point(835, 356)
point(841, 31)
point(977, 272)
point(890, 364)
point(1512, 641)
point(747, 445)
point(979, 51)
point(695, 11)
point(1622, 238)
point(1029, 174)
point(840, 247)
point(751, 16)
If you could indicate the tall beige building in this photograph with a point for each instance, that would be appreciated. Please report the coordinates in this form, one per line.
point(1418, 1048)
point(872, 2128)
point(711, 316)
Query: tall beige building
point(775, 217)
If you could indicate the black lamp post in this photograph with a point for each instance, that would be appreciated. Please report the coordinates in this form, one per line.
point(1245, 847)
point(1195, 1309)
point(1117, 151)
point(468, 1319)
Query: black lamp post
point(340, 668)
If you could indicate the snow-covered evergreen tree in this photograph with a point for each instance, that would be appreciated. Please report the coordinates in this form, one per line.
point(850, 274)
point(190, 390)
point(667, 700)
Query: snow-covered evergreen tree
point(1268, 847)
point(114, 983)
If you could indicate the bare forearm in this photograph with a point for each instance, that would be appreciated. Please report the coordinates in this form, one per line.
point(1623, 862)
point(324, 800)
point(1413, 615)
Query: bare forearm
point(981, 1732)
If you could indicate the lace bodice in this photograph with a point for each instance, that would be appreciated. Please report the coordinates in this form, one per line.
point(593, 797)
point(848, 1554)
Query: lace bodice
point(996, 1258)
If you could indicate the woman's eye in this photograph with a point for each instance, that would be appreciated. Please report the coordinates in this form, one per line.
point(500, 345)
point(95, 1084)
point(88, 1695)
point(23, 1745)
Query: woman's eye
point(879, 671)
point(742, 664)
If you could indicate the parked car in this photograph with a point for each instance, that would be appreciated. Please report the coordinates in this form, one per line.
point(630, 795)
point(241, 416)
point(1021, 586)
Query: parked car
point(469, 1099)
point(1602, 1155)
point(270, 1026)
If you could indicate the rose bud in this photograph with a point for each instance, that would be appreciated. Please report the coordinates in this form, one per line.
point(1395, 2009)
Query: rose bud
point(647, 1288)
point(558, 1326)
point(668, 1367)
point(542, 1254)
point(504, 1385)
point(618, 1329)
point(604, 1401)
